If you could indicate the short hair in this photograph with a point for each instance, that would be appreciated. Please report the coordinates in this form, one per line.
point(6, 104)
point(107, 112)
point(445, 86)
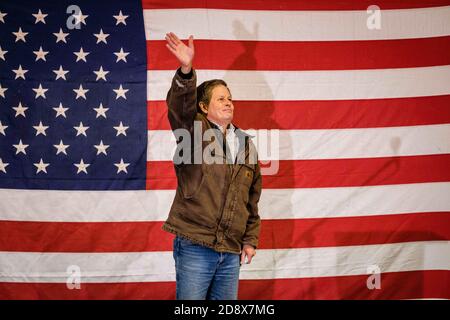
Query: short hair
point(204, 91)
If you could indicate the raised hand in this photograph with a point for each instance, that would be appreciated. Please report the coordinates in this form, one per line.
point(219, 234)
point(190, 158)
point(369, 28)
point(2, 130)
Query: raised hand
point(184, 53)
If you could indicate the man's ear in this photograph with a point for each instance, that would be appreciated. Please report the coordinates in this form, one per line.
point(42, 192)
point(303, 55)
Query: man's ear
point(203, 107)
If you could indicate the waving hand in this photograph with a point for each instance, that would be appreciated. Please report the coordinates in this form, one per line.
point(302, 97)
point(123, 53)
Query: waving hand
point(184, 53)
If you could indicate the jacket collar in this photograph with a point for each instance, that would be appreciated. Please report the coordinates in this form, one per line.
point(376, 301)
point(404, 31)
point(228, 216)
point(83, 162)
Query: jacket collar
point(238, 131)
point(242, 136)
point(230, 126)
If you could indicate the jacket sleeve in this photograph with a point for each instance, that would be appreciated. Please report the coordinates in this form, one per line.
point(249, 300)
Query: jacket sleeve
point(182, 100)
point(251, 235)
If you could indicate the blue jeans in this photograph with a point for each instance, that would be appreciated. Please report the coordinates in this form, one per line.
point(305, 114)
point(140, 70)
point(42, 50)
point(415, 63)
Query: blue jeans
point(203, 273)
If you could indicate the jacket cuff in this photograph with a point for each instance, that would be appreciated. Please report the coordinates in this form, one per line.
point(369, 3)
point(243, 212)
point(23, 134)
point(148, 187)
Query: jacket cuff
point(254, 247)
point(185, 76)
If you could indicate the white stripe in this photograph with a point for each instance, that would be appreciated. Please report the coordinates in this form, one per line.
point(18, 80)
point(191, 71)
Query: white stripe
point(317, 85)
point(354, 201)
point(109, 206)
point(296, 25)
point(84, 206)
point(328, 143)
point(267, 264)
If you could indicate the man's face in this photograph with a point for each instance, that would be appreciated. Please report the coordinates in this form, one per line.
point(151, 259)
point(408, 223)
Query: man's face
point(220, 109)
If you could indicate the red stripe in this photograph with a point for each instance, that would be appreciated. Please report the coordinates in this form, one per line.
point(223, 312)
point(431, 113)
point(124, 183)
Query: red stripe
point(394, 285)
point(275, 234)
point(87, 291)
point(331, 172)
point(339, 114)
point(160, 175)
point(292, 5)
point(306, 55)
point(349, 231)
point(31, 236)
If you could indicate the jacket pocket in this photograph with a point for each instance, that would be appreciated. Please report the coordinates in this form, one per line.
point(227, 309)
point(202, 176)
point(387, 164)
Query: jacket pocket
point(246, 179)
point(239, 225)
point(190, 178)
point(196, 218)
point(246, 175)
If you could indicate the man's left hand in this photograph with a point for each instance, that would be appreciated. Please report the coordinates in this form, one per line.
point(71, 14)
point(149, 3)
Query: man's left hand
point(249, 251)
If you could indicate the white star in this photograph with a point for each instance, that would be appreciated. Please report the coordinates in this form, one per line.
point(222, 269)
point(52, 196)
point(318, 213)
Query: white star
point(120, 18)
point(3, 165)
point(80, 17)
point(20, 110)
point(61, 147)
point(101, 148)
point(20, 35)
point(20, 73)
point(20, 147)
point(81, 166)
point(81, 129)
point(60, 73)
point(2, 91)
point(101, 111)
point(41, 166)
point(81, 92)
point(40, 129)
point(40, 17)
point(121, 129)
point(121, 166)
point(40, 54)
point(101, 37)
point(2, 16)
point(2, 129)
point(60, 111)
point(2, 53)
point(40, 92)
point(81, 55)
point(121, 55)
point(101, 74)
point(60, 36)
point(121, 92)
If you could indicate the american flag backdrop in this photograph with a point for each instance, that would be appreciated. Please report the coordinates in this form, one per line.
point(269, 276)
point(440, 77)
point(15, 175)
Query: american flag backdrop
point(363, 186)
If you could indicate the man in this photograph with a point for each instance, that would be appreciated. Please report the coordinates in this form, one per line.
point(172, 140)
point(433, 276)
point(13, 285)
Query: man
point(214, 214)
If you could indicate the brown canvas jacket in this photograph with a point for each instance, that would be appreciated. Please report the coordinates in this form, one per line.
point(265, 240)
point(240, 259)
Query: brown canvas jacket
point(216, 204)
